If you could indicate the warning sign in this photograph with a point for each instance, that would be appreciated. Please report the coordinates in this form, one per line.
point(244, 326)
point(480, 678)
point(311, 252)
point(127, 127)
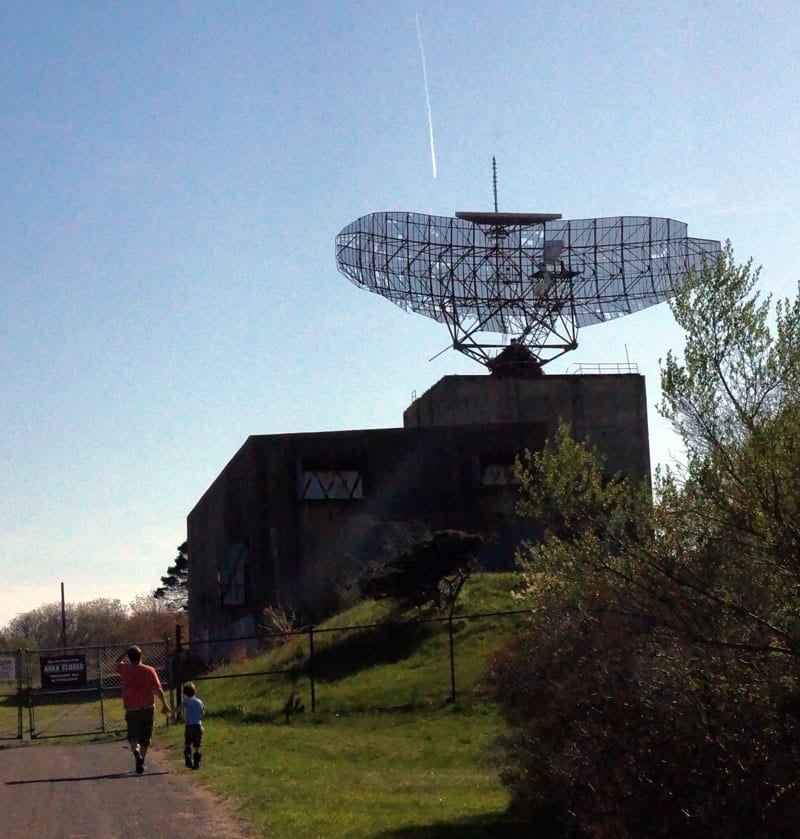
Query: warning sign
point(63, 670)
point(8, 669)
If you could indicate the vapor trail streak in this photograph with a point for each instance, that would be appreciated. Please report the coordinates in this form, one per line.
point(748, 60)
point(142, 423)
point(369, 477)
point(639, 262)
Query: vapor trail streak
point(427, 94)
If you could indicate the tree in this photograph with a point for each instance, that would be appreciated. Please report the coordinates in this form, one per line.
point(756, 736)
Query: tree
point(152, 619)
point(735, 401)
point(432, 570)
point(656, 691)
point(99, 621)
point(92, 623)
point(174, 588)
point(38, 628)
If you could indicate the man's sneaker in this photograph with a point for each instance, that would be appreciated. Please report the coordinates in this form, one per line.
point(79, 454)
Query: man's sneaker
point(196, 760)
point(139, 763)
point(187, 757)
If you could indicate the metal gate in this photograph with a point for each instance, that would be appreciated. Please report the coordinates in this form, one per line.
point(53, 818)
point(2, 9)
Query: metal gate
point(11, 696)
point(78, 691)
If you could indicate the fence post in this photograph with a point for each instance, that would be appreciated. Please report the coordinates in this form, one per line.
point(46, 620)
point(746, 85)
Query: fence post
point(20, 694)
point(178, 662)
point(170, 675)
point(31, 724)
point(101, 658)
point(311, 668)
point(452, 658)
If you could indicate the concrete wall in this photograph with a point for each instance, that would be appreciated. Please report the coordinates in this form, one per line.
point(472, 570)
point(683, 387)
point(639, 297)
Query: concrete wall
point(294, 550)
point(256, 538)
point(609, 410)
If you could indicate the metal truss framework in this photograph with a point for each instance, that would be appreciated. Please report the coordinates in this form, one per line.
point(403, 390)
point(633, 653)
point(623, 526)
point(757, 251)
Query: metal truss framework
point(536, 279)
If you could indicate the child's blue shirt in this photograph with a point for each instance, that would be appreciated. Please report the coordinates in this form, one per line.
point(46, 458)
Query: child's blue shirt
point(192, 710)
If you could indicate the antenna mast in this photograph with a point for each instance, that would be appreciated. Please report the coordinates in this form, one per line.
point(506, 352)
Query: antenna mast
point(494, 181)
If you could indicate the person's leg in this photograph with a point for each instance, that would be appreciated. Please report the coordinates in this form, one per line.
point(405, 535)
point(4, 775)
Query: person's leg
point(197, 737)
point(130, 734)
point(187, 746)
point(133, 733)
point(146, 734)
point(140, 727)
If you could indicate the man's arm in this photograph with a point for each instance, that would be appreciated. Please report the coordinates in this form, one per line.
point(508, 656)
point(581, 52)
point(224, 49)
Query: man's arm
point(159, 692)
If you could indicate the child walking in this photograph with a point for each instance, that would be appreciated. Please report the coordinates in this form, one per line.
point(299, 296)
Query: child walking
point(192, 710)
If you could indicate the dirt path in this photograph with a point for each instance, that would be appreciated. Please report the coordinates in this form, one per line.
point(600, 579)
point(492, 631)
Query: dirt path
point(91, 790)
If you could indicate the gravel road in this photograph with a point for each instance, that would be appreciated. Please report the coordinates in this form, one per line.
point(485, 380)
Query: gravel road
point(91, 790)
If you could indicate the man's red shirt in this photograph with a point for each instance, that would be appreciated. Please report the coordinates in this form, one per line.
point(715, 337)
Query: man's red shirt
point(139, 684)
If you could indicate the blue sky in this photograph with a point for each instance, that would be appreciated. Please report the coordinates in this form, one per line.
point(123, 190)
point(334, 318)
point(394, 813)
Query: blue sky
point(174, 176)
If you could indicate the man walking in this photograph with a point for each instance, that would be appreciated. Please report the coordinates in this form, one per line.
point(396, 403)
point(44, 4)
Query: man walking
point(140, 684)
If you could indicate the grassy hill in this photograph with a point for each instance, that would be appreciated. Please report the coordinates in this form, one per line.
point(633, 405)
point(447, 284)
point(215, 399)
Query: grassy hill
point(385, 753)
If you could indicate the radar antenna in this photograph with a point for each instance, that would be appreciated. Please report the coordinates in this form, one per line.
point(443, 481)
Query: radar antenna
point(514, 288)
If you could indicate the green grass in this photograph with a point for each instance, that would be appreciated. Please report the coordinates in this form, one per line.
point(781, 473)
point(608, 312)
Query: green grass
point(385, 754)
point(354, 776)
point(8, 716)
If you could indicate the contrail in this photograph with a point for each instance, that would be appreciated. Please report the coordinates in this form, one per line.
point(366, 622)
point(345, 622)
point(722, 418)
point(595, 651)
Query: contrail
point(427, 94)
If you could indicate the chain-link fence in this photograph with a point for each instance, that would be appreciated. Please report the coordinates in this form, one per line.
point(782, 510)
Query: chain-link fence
point(11, 695)
point(78, 691)
point(56, 693)
point(323, 657)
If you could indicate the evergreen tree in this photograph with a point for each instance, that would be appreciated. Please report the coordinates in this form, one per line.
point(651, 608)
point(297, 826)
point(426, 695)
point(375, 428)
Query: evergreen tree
point(174, 585)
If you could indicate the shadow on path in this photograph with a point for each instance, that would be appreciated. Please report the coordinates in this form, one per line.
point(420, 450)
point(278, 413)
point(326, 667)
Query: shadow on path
point(90, 789)
point(112, 776)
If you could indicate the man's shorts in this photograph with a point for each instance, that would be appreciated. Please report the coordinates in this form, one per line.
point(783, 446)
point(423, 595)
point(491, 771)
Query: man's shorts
point(140, 725)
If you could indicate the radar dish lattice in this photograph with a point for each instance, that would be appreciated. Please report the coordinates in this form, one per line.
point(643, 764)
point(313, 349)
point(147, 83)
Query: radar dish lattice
point(534, 278)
